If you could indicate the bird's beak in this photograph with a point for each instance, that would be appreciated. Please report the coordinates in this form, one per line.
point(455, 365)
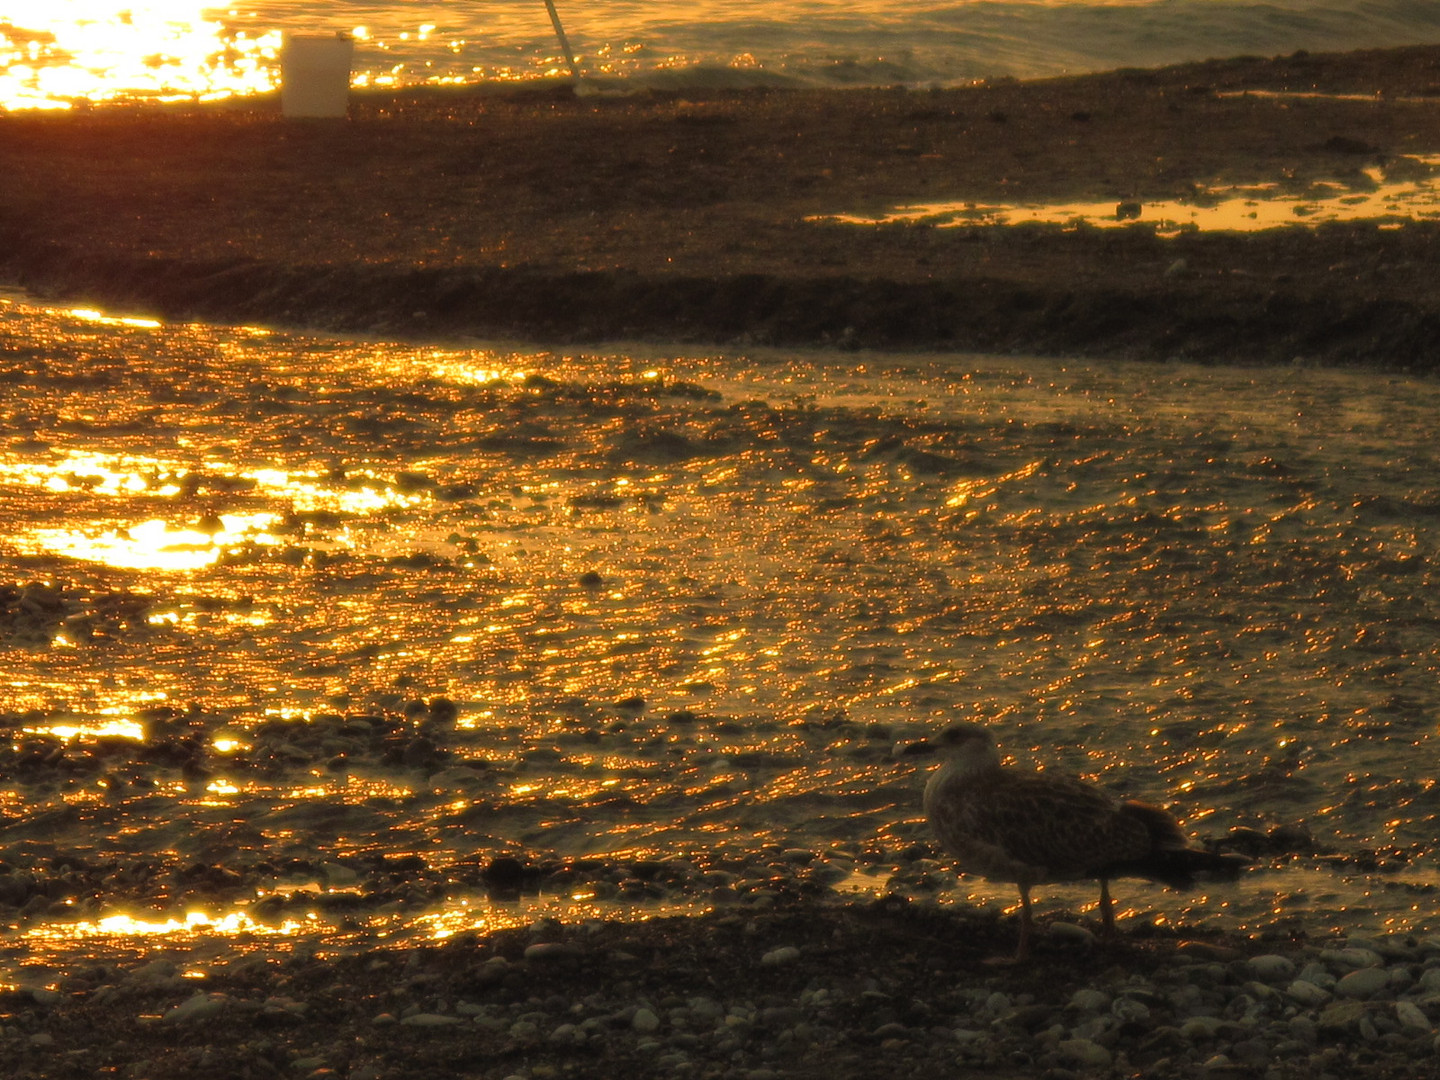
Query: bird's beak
point(912, 749)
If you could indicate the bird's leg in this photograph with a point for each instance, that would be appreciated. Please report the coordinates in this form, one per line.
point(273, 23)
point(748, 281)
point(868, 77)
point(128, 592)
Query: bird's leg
point(1107, 908)
point(1022, 953)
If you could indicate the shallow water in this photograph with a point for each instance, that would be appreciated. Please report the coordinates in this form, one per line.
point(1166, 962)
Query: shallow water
point(1404, 189)
point(300, 633)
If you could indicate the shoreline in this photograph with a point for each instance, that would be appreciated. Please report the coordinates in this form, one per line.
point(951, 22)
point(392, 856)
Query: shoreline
point(686, 218)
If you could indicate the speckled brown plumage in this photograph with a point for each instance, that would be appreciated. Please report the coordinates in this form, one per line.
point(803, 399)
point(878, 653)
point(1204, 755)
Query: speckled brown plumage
point(1007, 824)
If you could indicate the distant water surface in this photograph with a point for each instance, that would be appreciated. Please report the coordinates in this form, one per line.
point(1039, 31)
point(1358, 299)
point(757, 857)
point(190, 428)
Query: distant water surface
point(52, 54)
point(301, 634)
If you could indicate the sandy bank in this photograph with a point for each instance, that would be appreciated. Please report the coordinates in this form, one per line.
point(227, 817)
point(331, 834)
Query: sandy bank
point(546, 216)
point(560, 218)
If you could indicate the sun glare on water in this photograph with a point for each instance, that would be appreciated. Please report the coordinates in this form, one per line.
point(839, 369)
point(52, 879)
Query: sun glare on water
point(56, 55)
point(157, 545)
point(194, 924)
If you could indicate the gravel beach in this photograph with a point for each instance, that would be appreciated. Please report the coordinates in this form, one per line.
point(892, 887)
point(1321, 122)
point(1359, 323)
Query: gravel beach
point(767, 989)
point(700, 216)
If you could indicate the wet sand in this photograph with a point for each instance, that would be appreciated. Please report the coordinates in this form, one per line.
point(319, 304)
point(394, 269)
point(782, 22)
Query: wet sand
point(544, 216)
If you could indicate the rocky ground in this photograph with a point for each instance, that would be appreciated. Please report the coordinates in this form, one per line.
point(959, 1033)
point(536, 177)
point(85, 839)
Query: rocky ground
point(775, 974)
point(758, 991)
point(688, 217)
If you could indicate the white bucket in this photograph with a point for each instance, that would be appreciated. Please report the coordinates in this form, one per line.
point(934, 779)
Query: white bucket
point(315, 74)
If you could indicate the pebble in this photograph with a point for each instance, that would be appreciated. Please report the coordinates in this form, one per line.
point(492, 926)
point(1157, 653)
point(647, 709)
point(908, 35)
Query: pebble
point(1200, 1027)
point(156, 975)
point(1086, 1053)
point(1071, 933)
point(1318, 974)
point(1342, 1015)
point(1352, 957)
point(1412, 1017)
point(1307, 993)
point(1207, 950)
point(1364, 983)
point(551, 950)
point(430, 1020)
point(706, 1008)
point(1130, 1011)
point(1087, 999)
point(199, 1007)
point(786, 954)
point(1271, 967)
point(645, 1021)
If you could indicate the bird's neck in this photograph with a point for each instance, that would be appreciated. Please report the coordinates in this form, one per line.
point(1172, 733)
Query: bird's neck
point(973, 760)
point(962, 767)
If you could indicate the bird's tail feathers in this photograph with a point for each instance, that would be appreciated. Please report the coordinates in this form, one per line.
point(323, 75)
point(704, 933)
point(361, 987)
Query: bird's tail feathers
point(1164, 830)
point(1180, 867)
point(1172, 861)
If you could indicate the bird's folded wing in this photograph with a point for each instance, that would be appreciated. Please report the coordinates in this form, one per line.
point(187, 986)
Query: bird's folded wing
point(1067, 827)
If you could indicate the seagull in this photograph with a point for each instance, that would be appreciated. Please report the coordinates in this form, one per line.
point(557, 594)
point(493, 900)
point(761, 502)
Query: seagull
point(1007, 824)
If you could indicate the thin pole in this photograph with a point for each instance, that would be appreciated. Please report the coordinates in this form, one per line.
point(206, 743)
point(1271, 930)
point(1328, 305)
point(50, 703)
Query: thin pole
point(564, 41)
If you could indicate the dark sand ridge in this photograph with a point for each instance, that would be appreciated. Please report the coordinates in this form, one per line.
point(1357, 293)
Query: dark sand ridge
point(543, 216)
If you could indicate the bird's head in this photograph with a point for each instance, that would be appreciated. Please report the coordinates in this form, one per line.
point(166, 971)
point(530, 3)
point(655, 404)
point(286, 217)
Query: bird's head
point(962, 739)
point(963, 736)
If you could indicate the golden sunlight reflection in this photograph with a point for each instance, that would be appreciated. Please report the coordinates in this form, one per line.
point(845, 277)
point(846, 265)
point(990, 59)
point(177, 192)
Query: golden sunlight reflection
point(465, 367)
point(306, 492)
point(572, 788)
point(156, 545)
point(55, 55)
point(96, 474)
point(98, 729)
point(102, 319)
point(338, 713)
point(1404, 190)
point(351, 790)
point(467, 915)
point(240, 930)
point(125, 476)
point(195, 924)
